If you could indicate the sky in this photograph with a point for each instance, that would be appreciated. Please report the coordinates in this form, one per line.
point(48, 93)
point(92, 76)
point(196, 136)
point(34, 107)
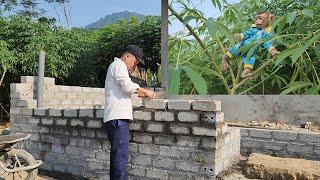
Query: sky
point(206, 7)
point(84, 12)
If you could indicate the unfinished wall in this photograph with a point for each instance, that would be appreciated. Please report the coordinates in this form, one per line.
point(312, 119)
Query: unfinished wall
point(292, 144)
point(170, 139)
point(55, 96)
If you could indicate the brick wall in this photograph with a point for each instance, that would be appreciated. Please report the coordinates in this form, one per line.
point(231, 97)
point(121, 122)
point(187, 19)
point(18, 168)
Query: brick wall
point(54, 96)
point(293, 144)
point(169, 138)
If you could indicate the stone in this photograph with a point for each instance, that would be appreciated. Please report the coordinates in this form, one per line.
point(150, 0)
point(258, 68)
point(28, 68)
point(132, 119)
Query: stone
point(267, 167)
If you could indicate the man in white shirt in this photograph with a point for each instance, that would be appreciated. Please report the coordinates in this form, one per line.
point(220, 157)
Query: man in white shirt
point(118, 107)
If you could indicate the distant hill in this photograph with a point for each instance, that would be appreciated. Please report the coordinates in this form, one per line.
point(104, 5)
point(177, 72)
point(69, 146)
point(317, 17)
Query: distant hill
point(113, 18)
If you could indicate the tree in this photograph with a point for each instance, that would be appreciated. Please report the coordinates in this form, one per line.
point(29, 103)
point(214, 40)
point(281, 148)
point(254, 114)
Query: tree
point(296, 32)
point(63, 4)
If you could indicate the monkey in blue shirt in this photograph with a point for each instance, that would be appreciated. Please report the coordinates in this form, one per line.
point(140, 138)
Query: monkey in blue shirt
point(260, 30)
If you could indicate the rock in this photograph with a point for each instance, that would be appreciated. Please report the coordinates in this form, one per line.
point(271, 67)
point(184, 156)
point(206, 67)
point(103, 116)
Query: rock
point(267, 167)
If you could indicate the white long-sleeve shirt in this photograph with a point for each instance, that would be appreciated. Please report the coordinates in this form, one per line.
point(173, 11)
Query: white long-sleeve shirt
point(118, 91)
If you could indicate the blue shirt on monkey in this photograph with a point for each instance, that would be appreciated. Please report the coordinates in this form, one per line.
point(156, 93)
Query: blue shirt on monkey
point(247, 37)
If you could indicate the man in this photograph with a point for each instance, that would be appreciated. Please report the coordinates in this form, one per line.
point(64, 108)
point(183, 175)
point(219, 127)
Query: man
point(118, 107)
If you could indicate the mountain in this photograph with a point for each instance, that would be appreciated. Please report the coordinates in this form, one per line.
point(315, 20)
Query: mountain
point(113, 18)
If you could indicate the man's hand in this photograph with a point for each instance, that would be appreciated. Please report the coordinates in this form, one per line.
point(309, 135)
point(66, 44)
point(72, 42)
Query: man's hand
point(274, 52)
point(145, 93)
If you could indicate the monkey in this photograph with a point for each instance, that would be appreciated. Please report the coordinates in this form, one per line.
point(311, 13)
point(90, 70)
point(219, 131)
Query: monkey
point(260, 29)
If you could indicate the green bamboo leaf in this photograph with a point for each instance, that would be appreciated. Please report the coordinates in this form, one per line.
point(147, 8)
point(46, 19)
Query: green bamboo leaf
point(188, 18)
point(314, 90)
point(296, 86)
point(292, 17)
point(308, 13)
point(226, 31)
point(212, 28)
point(297, 53)
point(284, 54)
point(174, 80)
point(317, 51)
point(198, 82)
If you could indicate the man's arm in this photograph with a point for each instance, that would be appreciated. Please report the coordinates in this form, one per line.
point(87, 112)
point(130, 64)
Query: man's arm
point(122, 77)
point(145, 93)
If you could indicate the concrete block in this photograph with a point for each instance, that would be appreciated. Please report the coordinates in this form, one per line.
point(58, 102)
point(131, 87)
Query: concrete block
point(285, 135)
point(73, 150)
point(39, 112)
point(87, 133)
point(252, 143)
point(164, 116)
point(142, 115)
point(46, 121)
point(309, 137)
point(17, 87)
point(60, 122)
point(57, 148)
point(96, 123)
point(34, 79)
point(276, 146)
point(208, 143)
point(300, 148)
point(142, 138)
point(144, 160)
point(148, 149)
point(206, 105)
point(77, 101)
point(185, 166)
point(176, 129)
point(101, 134)
point(76, 122)
point(213, 117)
point(59, 167)
point(75, 89)
point(70, 113)
point(34, 120)
point(66, 102)
point(99, 113)
point(103, 156)
point(179, 104)
point(137, 171)
point(157, 173)
point(155, 127)
point(155, 103)
point(244, 132)
point(71, 95)
point(260, 133)
point(77, 142)
point(163, 162)
point(189, 141)
point(188, 117)
point(64, 89)
point(55, 112)
point(60, 95)
point(135, 126)
point(164, 140)
point(86, 113)
point(202, 131)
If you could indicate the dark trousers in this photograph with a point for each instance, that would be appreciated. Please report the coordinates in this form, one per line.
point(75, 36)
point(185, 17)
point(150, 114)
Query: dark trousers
point(118, 135)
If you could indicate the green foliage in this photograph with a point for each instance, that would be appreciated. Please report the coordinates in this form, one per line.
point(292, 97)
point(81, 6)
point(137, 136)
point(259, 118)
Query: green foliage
point(295, 33)
point(26, 38)
point(76, 56)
